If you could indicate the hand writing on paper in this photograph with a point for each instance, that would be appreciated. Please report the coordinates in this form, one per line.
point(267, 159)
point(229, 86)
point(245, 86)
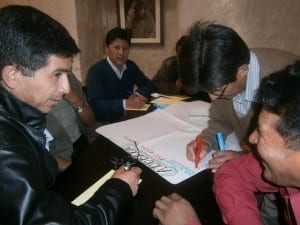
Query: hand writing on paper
point(131, 177)
point(174, 210)
point(191, 150)
point(220, 157)
point(136, 101)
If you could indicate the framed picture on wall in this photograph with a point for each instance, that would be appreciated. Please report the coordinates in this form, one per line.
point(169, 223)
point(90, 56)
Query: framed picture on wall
point(142, 18)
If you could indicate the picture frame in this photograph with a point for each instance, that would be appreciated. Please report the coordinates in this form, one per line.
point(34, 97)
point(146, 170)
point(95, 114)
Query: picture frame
point(142, 18)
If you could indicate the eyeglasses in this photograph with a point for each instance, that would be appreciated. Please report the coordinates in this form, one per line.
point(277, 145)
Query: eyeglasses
point(221, 94)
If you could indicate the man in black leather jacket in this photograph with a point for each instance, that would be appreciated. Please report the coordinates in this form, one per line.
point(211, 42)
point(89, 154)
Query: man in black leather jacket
point(36, 54)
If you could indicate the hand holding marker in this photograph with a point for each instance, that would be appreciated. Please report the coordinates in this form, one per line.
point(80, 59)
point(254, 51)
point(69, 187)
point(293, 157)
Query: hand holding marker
point(220, 139)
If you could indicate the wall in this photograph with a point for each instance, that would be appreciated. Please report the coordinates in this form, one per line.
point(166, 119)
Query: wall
point(272, 24)
point(261, 23)
point(63, 11)
point(94, 19)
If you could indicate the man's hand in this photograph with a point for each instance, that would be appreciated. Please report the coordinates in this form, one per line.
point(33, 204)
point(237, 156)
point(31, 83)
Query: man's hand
point(131, 177)
point(191, 150)
point(136, 101)
point(174, 210)
point(220, 157)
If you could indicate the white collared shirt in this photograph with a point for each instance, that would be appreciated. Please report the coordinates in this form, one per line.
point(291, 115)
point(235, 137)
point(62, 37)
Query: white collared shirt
point(242, 101)
point(49, 138)
point(118, 72)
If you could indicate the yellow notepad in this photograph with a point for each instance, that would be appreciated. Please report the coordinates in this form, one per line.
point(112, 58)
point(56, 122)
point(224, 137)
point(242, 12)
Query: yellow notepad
point(88, 193)
point(175, 97)
point(144, 108)
point(83, 197)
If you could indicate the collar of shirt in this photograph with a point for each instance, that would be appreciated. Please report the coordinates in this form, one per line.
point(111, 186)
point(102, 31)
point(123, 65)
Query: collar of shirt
point(49, 138)
point(118, 72)
point(291, 197)
point(242, 101)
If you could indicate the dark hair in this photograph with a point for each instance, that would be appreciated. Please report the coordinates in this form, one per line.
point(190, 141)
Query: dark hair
point(115, 33)
point(279, 93)
point(180, 41)
point(28, 37)
point(210, 57)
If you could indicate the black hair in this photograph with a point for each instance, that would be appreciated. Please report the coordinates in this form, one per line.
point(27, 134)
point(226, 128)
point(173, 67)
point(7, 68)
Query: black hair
point(115, 33)
point(279, 93)
point(28, 37)
point(181, 40)
point(210, 57)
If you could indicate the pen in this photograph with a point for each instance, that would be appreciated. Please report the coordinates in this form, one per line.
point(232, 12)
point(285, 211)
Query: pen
point(133, 93)
point(129, 92)
point(198, 150)
point(220, 139)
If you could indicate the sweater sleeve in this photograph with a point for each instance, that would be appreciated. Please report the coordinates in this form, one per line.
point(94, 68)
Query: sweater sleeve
point(109, 204)
point(221, 116)
point(144, 84)
point(235, 185)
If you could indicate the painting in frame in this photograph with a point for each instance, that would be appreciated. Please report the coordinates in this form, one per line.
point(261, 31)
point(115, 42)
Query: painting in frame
point(142, 18)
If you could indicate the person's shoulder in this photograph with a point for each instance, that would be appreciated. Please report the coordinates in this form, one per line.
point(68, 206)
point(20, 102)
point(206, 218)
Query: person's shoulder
point(99, 66)
point(100, 63)
point(10, 133)
point(131, 64)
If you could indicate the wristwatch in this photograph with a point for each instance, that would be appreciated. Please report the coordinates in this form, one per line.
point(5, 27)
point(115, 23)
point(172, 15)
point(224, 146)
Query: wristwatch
point(79, 109)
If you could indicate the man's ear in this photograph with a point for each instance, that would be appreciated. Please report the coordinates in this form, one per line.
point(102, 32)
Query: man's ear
point(9, 76)
point(242, 71)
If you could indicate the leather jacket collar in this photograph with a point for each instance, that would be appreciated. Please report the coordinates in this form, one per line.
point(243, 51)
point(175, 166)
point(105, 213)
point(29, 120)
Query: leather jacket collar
point(21, 111)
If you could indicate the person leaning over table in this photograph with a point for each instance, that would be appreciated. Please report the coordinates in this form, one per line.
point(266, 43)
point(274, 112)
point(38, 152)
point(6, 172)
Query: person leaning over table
point(231, 83)
point(273, 168)
point(111, 81)
point(167, 80)
point(35, 59)
point(70, 123)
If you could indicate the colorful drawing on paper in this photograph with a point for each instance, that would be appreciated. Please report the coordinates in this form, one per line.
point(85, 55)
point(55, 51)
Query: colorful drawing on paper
point(171, 170)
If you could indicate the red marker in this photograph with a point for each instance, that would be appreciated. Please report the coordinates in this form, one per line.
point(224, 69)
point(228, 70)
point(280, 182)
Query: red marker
point(198, 150)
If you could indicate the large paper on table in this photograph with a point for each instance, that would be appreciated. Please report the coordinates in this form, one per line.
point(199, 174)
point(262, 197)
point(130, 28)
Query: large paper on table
point(162, 137)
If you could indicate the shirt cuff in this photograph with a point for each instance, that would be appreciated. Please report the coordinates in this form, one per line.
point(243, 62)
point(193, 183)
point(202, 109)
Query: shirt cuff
point(193, 222)
point(124, 104)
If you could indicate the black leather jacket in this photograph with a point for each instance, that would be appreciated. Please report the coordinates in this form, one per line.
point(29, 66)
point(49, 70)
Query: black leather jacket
point(27, 171)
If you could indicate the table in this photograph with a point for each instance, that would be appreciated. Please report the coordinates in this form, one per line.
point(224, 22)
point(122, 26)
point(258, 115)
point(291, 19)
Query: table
point(95, 162)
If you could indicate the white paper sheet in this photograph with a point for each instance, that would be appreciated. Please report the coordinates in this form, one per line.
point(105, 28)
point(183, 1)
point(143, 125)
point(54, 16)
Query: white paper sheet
point(162, 137)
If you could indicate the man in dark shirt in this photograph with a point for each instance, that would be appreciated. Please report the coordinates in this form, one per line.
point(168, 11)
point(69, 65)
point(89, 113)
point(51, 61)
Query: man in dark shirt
point(111, 81)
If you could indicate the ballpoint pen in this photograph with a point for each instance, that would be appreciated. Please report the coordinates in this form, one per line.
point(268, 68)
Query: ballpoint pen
point(198, 150)
point(220, 139)
point(133, 93)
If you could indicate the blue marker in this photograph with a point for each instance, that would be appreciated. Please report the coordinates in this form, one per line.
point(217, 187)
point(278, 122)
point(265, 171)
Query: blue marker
point(220, 139)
